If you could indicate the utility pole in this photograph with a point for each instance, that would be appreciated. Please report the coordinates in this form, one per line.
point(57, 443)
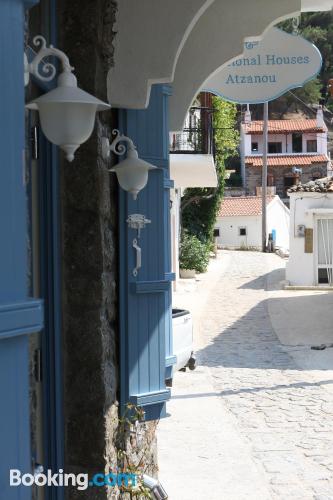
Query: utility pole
point(264, 178)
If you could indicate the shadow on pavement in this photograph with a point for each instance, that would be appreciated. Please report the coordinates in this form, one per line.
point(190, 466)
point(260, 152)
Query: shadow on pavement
point(265, 281)
point(254, 340)
point(249, 390)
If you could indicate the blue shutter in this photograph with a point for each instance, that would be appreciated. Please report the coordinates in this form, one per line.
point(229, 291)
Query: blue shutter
point(19, 316)
point(145, 301)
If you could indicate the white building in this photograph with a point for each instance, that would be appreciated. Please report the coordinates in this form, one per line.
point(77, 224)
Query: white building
point(239, 222)
point(187, 171)
point(311, 234)
point(297, 152)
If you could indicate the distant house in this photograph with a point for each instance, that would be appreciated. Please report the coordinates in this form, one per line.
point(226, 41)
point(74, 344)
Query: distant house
point(311, 234)
point(297, 152)
point(239, 222)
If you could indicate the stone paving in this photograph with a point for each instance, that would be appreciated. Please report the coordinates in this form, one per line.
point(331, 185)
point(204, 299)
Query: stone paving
point(283, 413)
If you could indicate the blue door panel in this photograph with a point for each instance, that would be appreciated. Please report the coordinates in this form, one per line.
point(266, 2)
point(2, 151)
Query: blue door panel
point(14, 415)
point(145, 300)
point(19, 316)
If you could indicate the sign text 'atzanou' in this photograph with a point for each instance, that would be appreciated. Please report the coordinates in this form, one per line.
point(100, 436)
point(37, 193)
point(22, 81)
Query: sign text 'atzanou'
point(267, 68)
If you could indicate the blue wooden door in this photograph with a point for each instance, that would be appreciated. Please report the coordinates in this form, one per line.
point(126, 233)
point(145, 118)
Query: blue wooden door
point(145, 300)
point(19, 315)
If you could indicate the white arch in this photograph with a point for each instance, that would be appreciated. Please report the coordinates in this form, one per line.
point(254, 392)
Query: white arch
point(185, 41)
point(150, 37)
point(217, 39)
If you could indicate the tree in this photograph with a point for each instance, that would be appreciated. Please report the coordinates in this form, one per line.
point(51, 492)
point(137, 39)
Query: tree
point(318, 29)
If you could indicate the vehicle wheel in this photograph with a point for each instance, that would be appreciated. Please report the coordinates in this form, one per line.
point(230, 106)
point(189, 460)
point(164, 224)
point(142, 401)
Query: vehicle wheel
point(192, 362)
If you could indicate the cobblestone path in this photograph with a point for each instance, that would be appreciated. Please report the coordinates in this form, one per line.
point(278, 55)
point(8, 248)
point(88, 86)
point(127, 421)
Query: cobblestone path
point(283, 412)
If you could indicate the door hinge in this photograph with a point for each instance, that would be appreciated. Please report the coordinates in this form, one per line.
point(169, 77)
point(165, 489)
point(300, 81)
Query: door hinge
point(38, 365)
point(34, 140)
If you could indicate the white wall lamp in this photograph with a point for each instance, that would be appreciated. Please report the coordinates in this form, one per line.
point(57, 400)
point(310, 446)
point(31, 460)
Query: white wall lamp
point(67, 113)
point(132, 173)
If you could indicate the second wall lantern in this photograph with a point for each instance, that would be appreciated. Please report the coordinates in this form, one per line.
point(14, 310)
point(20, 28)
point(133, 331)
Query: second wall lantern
point(67, 113)
point(132, 173)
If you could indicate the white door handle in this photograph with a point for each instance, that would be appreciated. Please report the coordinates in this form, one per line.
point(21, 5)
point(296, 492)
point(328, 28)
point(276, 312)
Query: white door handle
point(138, 257)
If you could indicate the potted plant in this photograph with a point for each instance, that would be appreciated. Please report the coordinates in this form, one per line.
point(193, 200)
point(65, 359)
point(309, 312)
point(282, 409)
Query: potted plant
point(194, 256)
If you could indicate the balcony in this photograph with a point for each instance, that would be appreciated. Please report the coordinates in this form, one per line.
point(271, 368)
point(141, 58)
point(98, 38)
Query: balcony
point(192, 141)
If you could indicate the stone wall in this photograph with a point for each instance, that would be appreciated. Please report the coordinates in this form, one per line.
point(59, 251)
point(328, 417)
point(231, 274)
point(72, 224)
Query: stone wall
point(254, 177)
point(90, 242)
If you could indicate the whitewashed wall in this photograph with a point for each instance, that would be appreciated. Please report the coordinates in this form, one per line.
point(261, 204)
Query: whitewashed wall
point(259, 139)
point(287, 143)
point(229, 231)
point(301, 268)
point(278, 218)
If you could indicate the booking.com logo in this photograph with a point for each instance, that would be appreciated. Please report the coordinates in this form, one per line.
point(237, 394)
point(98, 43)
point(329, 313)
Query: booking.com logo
point(80, 481)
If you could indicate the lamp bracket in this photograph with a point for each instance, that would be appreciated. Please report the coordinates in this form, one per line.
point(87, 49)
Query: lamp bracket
point(48, 69)
point(116, 147)
point(138, 222)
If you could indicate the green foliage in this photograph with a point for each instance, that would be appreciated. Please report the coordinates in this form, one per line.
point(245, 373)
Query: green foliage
point(201, 205)
point(193, 253)
point(318, 29)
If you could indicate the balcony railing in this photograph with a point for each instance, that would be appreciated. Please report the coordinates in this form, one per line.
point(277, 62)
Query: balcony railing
point(192, 141)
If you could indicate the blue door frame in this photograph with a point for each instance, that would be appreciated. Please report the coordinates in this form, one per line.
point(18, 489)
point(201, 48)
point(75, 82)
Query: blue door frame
point(50, 252)
point(20, 315)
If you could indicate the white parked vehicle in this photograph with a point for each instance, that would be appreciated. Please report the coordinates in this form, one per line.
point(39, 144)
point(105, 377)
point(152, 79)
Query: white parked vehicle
point(182, 326)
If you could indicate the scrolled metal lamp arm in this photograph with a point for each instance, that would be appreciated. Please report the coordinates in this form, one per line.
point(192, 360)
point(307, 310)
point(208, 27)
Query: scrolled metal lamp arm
point(121, 149)
point(117, 148)
point(49, 69)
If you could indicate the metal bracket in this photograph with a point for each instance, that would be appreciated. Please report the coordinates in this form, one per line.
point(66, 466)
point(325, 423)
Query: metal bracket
point(48, 70)
point(138, 222)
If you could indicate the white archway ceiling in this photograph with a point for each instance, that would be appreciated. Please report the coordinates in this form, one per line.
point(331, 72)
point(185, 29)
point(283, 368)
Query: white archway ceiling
point(185, 42)
point(150, 37)
point(216, 39)
point(219, 36)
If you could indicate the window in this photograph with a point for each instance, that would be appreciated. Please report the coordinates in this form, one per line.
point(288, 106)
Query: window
point(316, 175)
point(270, 180)
point(324, 253)
point(254, 147)
point(290, 181)
point(323, 276)
point(274, 147)
point(297, 143)
point(311, 146)
point(242, 231)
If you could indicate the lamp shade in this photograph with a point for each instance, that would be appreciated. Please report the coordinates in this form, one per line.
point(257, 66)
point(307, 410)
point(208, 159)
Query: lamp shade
point(67, 114)
point(132, 174)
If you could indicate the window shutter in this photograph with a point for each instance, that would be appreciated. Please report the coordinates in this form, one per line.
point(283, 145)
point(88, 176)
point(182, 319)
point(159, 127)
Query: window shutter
point(145, 300)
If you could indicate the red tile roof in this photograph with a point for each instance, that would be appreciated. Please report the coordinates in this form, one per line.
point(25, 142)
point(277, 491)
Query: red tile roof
point(242, 205)
point(281, 126)
point(286, 160)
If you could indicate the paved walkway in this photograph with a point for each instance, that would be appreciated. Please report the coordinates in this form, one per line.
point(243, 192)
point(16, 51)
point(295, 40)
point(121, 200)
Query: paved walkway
point(253, 421)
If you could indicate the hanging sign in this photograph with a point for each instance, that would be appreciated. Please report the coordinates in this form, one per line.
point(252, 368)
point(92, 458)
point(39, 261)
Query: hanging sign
point(267, 68)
